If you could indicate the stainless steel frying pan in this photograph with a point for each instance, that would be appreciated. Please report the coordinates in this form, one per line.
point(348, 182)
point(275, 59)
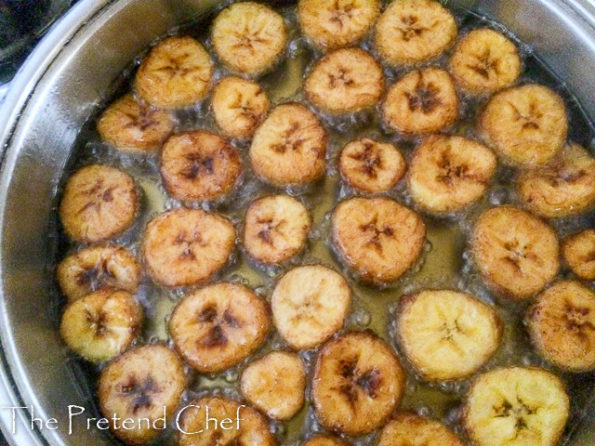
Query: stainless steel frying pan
point(55, 93)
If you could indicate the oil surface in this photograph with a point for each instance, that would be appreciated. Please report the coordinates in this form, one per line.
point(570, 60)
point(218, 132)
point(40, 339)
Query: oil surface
point(445, 263)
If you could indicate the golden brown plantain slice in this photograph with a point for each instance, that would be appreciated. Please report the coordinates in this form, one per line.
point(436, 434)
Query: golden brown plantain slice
point(199, 165)
point(249, 37)
point(526, 126)
point(242, 425)
point(448, 173)
point(371, 166)
point(515, 252)
point(357, 383)
point(377, 237)
point(579, 253)
point(324, 440)
point(96, 268)
point(176, 73)
point(276, 228)
point(565, 186)
point(216, 327)
point(344, 81)
point(185, 247)
point(131, 125)
point(406, 429)
point(102, 325)
point(411, 31)
point(239, 106)
point(99, 202)
point(289, 147)
point(485, 61)
point(275, 384)
point(562, 326)
point(332, 24)
point(422, 101)
point(516, 406)
point(143, 383)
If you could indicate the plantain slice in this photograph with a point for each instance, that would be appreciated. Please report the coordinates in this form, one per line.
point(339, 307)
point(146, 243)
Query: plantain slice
point(216, 327)
point(99, 202)
point(185, 247)
point(515, 252)
point(289, 147)
point(357, 383)
point(562, 187)
point(406, 429)
point(455, 327)
point(562, 326)
point(249, 37)
point(371, 166)
point(344, 81)
point(579, 253)
point(332, 24)
point(134, 126)
point(101, 325)
point(145, 382)
point(242, 425)
point(447, 173)
point(176, 73)
point(275, 384)
point(199, 165)
point(96, 268)
point(485, 61)
point(309, 305)
point(526, 126)
point(422, 101)
point(412, 31)
point(516, 406)
point(377, 237)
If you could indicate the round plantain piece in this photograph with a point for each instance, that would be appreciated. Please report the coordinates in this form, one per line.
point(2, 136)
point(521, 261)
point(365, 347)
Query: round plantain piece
point(275, 384)
point(245, 425)
point(216, 327)
point(101, 325)
point(185, 247)
point(579, 253)
point(176, 73)
point(447, 173)
point(358, 382)
point(377, 237)
point(134, 126)
point(407, 429)
point(516, 406)
point(96, 268)
point(412, 31)
point(309, 305)
point(344, 81)
point(422, 101)
point(526, 126)
point(99, 202)
point(563, 187)
point(289, 147)
point(332, 24)
point(249, 37)
point(453, 326)
point(324, 440)
point(199, 165)
point(515, 252)
point(239, 106)
point(561, 324)
point(143, 383)
point(485, 61)
point(276, 228)
point(371, 166)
